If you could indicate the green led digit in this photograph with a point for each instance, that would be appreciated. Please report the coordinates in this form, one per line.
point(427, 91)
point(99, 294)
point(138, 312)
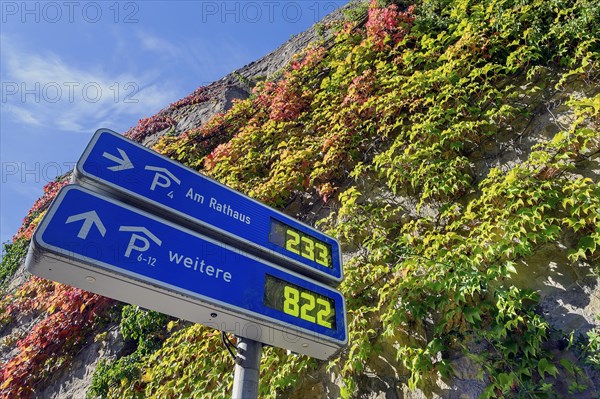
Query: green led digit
point(292, 242)
point(290, 304)
point(308, 248)
point(322, 254)
point(323, 313)
point(307, 307)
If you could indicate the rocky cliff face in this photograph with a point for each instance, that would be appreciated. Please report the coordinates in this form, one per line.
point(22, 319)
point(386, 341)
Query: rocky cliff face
point(238, 84)
point(453, 149)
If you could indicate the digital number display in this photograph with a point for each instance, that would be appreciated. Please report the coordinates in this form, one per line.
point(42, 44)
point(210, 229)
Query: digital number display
point(300, 243)
point(299, 302)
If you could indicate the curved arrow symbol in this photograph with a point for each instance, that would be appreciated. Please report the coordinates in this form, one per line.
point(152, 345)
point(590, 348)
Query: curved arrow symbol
point(90, 218)
point(139, 229)
point(123, 163)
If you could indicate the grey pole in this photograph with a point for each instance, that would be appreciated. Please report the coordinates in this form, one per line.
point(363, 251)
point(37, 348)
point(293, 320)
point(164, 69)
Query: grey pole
point(247, 369)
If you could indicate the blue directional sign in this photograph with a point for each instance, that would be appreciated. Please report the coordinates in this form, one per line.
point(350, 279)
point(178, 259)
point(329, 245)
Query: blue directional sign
point(136, 174)
point(113, 249)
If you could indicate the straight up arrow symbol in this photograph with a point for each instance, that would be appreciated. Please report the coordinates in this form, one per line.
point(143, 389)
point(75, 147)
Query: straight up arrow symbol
point(123, 163)
point(90, 218)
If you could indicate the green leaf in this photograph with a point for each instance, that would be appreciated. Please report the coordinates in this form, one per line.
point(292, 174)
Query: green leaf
point(472, 314)
point(489, 392)
point(505, 380)
point(544, 366)
point(568, 365)
point(510, 267)
point(587, 243)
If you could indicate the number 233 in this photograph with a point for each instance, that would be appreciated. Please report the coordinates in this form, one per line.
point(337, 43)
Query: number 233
point(307, 248)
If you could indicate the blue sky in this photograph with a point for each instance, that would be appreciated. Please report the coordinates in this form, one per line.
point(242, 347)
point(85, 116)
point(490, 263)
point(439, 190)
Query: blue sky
point(68, 68)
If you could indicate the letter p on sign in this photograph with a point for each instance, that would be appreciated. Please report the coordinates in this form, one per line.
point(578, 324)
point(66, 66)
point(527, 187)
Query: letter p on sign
point(135, 238)
point(162, 177)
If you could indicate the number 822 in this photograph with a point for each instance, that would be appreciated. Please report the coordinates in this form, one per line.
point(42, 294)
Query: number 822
point(302, 304)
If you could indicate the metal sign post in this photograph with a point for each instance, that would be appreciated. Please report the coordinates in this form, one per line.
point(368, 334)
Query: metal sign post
point(247, 369)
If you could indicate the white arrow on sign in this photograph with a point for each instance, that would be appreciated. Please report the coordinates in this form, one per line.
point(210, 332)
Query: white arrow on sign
point(90, 218)
point(123, 163)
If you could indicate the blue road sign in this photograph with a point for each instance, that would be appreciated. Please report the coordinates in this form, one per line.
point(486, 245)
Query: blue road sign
point(135, 174)
point(113, 249)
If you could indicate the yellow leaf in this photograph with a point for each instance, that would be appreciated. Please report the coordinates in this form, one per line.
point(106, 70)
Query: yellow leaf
point(147, 377)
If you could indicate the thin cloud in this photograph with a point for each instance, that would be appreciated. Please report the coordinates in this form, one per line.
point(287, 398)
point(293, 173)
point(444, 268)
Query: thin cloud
point(42, 89)
point(157, 44)
point(22, 114)
point(196, 52)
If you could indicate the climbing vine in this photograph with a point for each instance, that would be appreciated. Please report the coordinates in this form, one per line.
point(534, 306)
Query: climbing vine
point(66, 316)
point(13, 254)
point(405, 104)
